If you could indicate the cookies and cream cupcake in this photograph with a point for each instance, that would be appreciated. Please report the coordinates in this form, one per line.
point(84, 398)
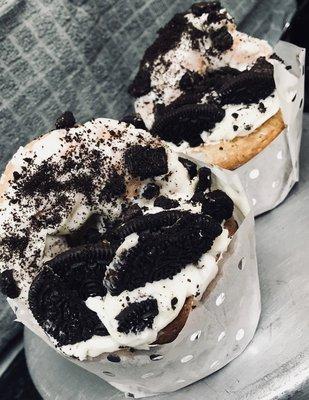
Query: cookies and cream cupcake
point(208, 88)
point(108, 238)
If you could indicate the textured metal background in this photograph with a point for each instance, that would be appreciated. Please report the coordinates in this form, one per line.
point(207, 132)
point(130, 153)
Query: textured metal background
point(276, 363)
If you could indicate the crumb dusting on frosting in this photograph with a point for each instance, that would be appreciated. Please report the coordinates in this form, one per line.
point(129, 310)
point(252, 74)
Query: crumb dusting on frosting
point(105, 232)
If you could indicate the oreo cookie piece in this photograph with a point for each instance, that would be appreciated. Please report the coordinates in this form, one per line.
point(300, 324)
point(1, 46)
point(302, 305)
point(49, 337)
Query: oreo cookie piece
point(137, 316)
point(130, 212)
point(82, 269)
point(88, 233)
point(221, 39)
point(8, 285)
point(190, 167)
point(187, 122)
point(218, 205)
point(203, 184)
point(190, 80)
point(60, 311)
point(203, 7)
point(146, 162)
point(141, 84)
point(165, 203)
point(275, 56)
point(162, 254)
point(151, 190)
point(135, 120)
point(65, 121)
point(262, 66)
point(247, 87)
point(145, 223)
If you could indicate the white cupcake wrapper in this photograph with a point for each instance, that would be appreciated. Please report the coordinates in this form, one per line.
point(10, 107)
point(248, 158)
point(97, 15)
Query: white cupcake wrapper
point(216, 332)
point(270, 175)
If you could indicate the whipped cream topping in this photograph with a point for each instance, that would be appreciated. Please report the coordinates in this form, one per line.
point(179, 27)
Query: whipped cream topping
point(193, 51)
point(242, 119)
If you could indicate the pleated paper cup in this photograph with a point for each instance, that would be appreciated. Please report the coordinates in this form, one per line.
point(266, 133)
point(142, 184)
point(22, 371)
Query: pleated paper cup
point(270, 175)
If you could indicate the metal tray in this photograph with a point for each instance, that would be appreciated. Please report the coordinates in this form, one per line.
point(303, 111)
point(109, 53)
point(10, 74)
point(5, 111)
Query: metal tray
point(276, 363)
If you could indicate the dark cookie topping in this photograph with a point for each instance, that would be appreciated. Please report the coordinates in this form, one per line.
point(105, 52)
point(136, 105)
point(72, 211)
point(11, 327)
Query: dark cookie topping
point(141, 84)
point(218, 205)
point(134, 120)
point(145, 223)
point(187, 122)
point(8, 285)
point(247, 87)
point(222, 40)
point(151, 190)
point(82, 269)
point(137, 316)
point(161, 255)
point(203, 7)
point(190, 166)
point(88, 233)
point(60, 311)
point(203, 184)
point(174, 301)
point(145, 162)
point(165, 203)
point(65, 121)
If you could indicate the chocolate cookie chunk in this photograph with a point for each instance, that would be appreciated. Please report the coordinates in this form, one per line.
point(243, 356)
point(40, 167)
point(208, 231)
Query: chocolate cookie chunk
point(190, 80)
point(151, 190)
point(247, 87)
point(203, 184)
point(218, 205)
point(160, 255)
point(88, 233)
point(187, 122)
point(82, 269)
point(65, 121)
point(222, 40)
point(130, 212)
point(60, 312)
point(137, 316)
point(190, 167)
point(8, 285)
point(203, 7)
point(165, 203)
point(146, 162)
point(141, 84)
point(135, 120)
point(145, 223)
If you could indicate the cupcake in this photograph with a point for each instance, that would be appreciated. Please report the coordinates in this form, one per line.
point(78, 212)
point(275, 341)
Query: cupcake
point(112, 244)
point(212, 91)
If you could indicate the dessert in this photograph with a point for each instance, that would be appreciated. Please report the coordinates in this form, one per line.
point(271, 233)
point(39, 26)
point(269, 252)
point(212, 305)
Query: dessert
point(208, 88)
point(108, 238)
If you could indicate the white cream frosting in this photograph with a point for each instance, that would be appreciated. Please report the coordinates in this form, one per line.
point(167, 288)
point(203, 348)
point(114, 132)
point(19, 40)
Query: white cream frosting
point(170, 67)
point(249, 118)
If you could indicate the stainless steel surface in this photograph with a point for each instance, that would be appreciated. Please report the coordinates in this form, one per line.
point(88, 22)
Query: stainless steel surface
point(276, 363)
